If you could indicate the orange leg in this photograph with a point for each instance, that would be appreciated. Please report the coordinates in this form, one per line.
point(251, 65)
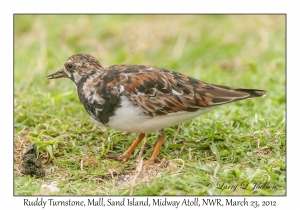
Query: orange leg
point(124, 157)
point(160, 141)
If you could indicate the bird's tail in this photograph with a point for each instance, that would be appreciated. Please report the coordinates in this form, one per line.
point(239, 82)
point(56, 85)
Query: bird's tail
point(223, 94)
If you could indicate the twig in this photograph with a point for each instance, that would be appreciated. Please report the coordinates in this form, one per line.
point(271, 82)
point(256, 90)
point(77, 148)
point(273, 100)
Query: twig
point(178, 128)
point(139, 166)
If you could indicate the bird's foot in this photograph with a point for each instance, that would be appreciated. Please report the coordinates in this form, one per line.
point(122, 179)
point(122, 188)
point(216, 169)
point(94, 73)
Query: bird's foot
point(145, 163)
point(148, 162)
point(122, 157)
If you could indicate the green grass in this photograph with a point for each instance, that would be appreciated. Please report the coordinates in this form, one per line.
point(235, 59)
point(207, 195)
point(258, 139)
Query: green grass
point(239, 143)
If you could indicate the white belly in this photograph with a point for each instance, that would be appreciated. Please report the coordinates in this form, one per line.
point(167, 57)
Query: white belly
point(131, 119)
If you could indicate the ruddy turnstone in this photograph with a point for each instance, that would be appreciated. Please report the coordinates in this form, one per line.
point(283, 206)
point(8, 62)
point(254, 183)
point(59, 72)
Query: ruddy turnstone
point(143, 99)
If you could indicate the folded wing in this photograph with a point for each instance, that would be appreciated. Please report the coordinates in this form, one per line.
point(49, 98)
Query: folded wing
point(159, 91)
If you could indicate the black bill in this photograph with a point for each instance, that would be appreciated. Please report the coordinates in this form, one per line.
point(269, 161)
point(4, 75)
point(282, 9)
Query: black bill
point(58, 74)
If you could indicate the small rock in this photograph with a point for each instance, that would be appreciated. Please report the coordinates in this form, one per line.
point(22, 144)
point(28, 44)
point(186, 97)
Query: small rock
point(50, 187)
point(30, 162)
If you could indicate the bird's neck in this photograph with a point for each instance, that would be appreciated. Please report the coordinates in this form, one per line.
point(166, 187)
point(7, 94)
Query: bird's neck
point(80, 78)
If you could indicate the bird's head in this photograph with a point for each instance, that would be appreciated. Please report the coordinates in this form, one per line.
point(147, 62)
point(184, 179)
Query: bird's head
point(78, 66)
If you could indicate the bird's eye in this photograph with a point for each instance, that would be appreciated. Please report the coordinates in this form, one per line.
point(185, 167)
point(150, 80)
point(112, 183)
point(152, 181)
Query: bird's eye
point(70, 66)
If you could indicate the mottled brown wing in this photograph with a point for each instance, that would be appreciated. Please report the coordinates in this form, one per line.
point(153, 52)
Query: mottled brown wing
point(158, 91)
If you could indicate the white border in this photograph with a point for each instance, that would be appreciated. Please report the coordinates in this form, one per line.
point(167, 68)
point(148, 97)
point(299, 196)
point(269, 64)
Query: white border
point(8, 8)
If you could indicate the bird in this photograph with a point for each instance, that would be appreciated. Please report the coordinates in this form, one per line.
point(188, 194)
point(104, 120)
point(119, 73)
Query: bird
point(143, 99)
